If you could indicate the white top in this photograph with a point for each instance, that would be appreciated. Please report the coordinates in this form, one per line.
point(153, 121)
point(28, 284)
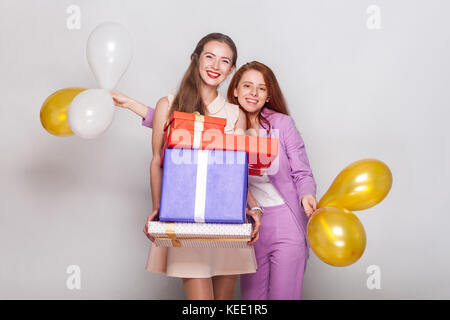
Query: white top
point(262, 188)
point(264, 192)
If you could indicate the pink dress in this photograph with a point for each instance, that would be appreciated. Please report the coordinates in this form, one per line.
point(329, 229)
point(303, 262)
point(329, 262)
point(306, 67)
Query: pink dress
point(204, 262)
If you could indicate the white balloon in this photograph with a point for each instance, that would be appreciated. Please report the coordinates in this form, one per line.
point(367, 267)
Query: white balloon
point(109, 50)
point(91, 113)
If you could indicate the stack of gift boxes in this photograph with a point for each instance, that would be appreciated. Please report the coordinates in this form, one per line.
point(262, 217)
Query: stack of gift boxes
point(204, 182)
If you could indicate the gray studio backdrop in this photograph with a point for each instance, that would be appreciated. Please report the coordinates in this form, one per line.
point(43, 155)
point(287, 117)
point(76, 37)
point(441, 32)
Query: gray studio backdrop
point(363, 79)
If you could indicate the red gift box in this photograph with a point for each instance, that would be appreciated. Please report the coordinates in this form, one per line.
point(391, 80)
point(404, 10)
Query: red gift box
point(187, 130)
point(194, 131)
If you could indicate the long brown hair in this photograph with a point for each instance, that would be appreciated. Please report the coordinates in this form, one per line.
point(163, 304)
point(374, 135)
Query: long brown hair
point(188, 98)
point(276, 99)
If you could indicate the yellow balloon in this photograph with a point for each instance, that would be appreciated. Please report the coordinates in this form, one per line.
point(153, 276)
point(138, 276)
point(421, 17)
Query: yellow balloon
point(54, 111)
point(359, 186)
point(336, 236)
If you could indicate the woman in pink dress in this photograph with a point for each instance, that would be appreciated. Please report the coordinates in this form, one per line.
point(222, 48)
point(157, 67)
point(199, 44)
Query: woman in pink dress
point(207, 273)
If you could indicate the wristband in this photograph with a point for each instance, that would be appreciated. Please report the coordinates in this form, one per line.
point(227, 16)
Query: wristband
point(258, 208)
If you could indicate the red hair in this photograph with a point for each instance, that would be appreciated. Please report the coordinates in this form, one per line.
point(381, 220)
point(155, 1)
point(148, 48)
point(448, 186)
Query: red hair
point(276, 99)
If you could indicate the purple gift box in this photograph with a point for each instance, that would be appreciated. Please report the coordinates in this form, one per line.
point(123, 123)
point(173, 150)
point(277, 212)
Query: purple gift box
point(204, 186)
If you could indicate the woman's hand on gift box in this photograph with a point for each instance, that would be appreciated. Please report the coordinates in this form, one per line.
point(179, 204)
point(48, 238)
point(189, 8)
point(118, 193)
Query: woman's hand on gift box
point(256, 216)
point(151, 217)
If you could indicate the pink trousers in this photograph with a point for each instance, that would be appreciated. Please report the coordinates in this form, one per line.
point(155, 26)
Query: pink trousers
point(281, 253)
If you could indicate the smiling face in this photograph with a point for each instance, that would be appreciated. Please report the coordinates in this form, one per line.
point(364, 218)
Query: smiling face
point(251, 91)
point(215, 63)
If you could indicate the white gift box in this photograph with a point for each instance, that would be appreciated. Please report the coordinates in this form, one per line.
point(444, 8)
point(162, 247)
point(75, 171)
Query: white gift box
point(198, 235)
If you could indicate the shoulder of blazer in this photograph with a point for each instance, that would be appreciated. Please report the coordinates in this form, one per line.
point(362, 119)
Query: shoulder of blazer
point(276, 119)
point(280, 121)
point(285, 125)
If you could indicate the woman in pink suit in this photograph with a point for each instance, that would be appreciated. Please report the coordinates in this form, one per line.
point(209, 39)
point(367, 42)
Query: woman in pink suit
point(285, 192)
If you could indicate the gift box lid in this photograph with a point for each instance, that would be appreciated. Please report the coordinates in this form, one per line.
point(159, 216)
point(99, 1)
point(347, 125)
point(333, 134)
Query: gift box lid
point(178, 116)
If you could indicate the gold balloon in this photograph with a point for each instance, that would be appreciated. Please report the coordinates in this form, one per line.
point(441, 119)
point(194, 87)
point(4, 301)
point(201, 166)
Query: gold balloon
point(54, 111)
point(336, 236)
point(359, 186)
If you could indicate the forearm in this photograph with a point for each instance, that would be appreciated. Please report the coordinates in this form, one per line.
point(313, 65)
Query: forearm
point(139, 108)
point(251, 201)
point(155, 181)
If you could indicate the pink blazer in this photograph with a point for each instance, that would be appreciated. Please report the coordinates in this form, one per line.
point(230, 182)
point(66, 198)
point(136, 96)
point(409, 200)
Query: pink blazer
point(294, 177)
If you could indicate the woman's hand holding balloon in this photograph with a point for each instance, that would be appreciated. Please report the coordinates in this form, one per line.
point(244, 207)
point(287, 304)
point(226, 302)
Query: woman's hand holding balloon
point(121, 100)
point(309, 203)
